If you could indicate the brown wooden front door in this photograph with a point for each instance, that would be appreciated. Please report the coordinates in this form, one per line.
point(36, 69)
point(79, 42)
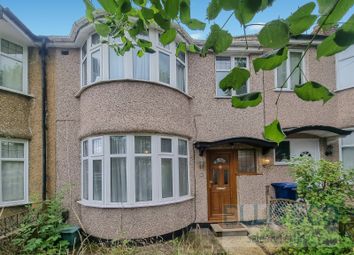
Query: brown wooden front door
point(221, 169)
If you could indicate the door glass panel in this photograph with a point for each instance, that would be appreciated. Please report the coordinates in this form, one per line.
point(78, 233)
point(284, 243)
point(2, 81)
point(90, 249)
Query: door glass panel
point(226, 177)
point(215, 176)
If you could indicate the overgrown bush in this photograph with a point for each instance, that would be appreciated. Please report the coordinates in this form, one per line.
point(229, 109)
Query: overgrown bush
point(327, 190)
point(40, 231)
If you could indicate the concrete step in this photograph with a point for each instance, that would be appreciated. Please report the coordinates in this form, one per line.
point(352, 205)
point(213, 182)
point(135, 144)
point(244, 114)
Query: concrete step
point(229, 229)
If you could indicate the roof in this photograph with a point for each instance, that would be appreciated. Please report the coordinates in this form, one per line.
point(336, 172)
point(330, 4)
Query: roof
point(318, 130)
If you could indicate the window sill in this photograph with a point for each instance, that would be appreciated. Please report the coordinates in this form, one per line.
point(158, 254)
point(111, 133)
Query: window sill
point(221, 97)
point(283, 90)
point(16, 92)
point(12, 204)
point(343, 89)
point(281, 163)
point(83, 88)
point(136, 205)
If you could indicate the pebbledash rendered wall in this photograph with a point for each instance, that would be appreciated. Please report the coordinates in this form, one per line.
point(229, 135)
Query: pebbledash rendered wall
point(127, 106)
point(115, 107)
point(215, 119)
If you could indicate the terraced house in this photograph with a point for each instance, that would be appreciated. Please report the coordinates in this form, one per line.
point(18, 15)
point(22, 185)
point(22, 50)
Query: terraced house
point(143, 147)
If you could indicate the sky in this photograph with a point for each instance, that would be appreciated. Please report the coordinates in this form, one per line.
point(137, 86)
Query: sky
point(56, 17)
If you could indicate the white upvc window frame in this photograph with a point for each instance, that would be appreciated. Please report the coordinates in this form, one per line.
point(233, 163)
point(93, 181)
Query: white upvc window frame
point(153, 36)
point(25, 172)
point(24, 67)
point(156, 156)
point(288, 71)
point(317, 156)
point(341, 146)
point(343, 56)
point(232, 59)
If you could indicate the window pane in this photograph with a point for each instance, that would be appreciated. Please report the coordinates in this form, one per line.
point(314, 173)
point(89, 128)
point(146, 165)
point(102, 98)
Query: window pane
point(166, 177)
point(97, 179)
point(95, 66)
point(219, 92)
point(85, 148)
point(84, 72)
point(226, 177)
point(282, 152)
point(95, 39)
point(118, 180)
point(12, 181)
point(85, 179)
point(295, 78)
point(241, 62)
point(181, 84)
point(166, 145)
point(348, 140)
point(182, 56)
point(97, 146)
point(281, 75)
point(11, 75)
point(182, 147)
point(143, 184)
point(84, 50)
point(242, 90)
point(12, 150)
point(348, 157)
point(118, 144)
point(116, 65)
point(141, 66)
point(223, 63)
point(11, 49)
point(247, 161)
point(183, 176)
point(143, 144)
point(164, 67)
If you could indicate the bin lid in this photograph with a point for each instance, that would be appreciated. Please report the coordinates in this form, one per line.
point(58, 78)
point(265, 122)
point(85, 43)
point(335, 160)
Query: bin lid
point(69, 229)
point(284, 184)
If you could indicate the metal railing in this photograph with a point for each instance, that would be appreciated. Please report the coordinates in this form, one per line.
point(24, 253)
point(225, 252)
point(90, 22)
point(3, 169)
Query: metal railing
point(279, 207)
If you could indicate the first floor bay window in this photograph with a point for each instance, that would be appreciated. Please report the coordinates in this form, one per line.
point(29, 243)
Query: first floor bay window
point(134, 170)
point(13, 172)
point(347, 151)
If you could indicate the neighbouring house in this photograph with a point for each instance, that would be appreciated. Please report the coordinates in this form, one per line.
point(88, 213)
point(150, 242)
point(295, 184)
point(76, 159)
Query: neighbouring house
point(142, 147)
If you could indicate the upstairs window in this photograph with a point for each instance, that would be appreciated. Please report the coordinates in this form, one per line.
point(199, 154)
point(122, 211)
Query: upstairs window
point(13, 66)
point(344, 69)
point(223, 65)
point(91, 60)
point(347, 151)
point(181, 71)
point(283, 71)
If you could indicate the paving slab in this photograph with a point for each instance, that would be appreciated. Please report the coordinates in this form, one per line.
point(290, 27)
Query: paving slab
point(239, 245)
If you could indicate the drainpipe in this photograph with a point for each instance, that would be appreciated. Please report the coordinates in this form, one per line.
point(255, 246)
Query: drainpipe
point(43, 54)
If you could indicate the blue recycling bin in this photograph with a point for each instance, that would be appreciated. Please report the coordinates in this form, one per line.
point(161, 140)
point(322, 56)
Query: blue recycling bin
point(285, 190)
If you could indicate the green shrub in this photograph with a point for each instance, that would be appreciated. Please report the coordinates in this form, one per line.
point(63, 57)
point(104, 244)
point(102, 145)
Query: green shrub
point(326, 188)
point(40, 231)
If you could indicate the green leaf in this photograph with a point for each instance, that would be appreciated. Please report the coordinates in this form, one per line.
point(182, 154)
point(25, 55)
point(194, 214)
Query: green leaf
point(168, 36)
point(228, 5)
point(102, 29)
point(171, 8)
point(344, 37)
point(181, 47)
point(150, 50)
point(340, 10)
point(266, 3)
point(144, 43)
point(273, 132)
point(313, 91)
point(140, 2)
point(138, 28)
point(140, 53)
point(214, 8)
point(89, 10)
point(147, 13)
point(246, 9)
point(270, 60)
point(125, 6)
point(109, 6)
point(274, 34)
point(247, 100)
point(162, 22)
point(194, 48)
point(185, 11)
point(235, 79)
point(218, 40)
point(338, 41)
point(195, 24)
point(302, 20)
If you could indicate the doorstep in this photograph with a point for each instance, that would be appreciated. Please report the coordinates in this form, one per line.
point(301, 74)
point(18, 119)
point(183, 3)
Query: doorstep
point(229, 229)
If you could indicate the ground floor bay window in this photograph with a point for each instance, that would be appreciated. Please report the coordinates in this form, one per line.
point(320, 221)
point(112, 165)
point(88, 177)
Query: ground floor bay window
point(134, 170)
point(13, 172)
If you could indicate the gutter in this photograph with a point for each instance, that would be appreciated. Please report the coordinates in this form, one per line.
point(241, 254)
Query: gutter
point(43, 54)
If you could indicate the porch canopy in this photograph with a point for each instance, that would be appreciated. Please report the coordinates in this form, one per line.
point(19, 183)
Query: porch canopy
point(317, 130)
point(265, 145)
